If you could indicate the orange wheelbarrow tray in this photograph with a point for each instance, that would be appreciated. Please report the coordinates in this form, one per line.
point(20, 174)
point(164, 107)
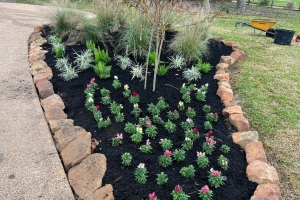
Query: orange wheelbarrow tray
point(259, 24)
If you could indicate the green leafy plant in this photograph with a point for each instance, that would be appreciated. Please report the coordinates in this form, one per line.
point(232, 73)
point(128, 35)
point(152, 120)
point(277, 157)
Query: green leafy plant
point(102, 70)
point(162, 178)
point(126, 159)
point(208, 125)
point(166, 144)
point(136, 137)
point(180, 106)
point(151, 131)
point(90, 45)
point(177, 62)
point(144, 121)
point(101, 56)
point(166, 159)
point(137, 71)
point(104, 92)
point(116, 141)
point(187, 144)
point(136, 110)
point(186, 97)
point(173, 115)
point(179, 194)
point(115, 108)
point(215, 178)
point(206, 108)
point(187, 172)
point(201, 93)
point(152, 57)
point(187, 124)
point(153, 109)
point(59, 50)
point(205, 193)
point(61, 63)
point(119, 117)
point(170, 126)
point(157, 119)
point(193, 134)
point(192, 74)
point(161, 104)
point(162, 70)
point(134, 98)
point(179, 155)
point(190, 113)
point(212, 117)
point(68, 72)
point(203, 67)
point(225, 149)
point(126, 93)
point(116, 83)
point(223, 162)
point(146, 148)
point(202, 160)
point(130, 128)
point(104, 123)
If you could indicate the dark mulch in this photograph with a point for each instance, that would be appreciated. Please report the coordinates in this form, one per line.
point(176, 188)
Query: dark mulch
point(125, 187)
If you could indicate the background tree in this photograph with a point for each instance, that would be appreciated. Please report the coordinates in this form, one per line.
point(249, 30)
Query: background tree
point(240, 5)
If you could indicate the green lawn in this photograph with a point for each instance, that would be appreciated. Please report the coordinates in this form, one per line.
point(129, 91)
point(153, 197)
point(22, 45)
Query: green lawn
point(268, 88)
point(279, 2)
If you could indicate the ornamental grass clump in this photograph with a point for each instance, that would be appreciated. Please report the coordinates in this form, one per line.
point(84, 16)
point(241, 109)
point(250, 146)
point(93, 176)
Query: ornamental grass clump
point(123, 61)
point(84, 60)
point(191, 74)
point(177, 62)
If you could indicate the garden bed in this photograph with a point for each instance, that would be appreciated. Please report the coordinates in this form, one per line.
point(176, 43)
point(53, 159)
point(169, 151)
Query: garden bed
point(237, 185)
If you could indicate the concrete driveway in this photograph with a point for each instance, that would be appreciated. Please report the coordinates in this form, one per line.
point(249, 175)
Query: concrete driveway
point(30, 167)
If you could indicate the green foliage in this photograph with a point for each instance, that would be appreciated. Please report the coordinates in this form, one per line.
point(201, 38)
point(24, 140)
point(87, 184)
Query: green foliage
point(170, 127)
point(130, 128)
point(102, 71)
point(192, 74)
point(187, 172)
point(126, 159)
point(152, 58)
point(137, 71)
point(203, 67)
point(177, 62)
point(162, 178)
point(223, 162)
point(68, 72)
point(123, 61)
point(225, 149)
point(101, 56)
point(90, 45)
point(162, 70)
point(166, 144)
point(83, 61)
point(140, 174)
point(165, 161)
point(179, 155)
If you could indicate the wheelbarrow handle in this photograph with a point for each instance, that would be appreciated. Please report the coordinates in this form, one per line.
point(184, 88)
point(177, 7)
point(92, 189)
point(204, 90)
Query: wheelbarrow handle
point(239, 25)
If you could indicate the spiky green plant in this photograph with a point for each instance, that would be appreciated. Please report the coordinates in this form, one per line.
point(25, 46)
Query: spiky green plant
point(162, 70)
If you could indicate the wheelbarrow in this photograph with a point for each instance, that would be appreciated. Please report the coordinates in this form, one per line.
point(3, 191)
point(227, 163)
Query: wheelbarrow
point(259, 24)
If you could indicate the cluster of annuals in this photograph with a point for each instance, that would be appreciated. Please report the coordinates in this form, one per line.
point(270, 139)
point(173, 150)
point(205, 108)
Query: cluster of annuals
point(149, 126)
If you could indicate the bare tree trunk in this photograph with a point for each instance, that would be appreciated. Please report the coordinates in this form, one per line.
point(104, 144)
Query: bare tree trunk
point(207, 6)
point(147, 63)
point(240, 5)
point(272, 3)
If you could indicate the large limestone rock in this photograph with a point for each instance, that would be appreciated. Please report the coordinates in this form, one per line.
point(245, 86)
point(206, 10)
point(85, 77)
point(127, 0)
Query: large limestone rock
point(222, 66)
point(227, 59)
point(86, 177)
point(67, 134)
point(52, 101)
point(76, 151)
point(225, 93)
point(224, 77)
point(37, 66)
point(239, 122)
point(55, 125)
point(45, 73)
point(243, 138)
point(232, 110)
point(230, 103)
point(55, 114)
point(224, 84)
point(262, 173)
point(45, 88)
point(255, 151)
point(104, 193)
point(267, 191)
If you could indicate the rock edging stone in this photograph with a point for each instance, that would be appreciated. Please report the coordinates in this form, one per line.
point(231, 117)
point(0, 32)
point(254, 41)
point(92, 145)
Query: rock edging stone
point(70, 138)
point(85, 170)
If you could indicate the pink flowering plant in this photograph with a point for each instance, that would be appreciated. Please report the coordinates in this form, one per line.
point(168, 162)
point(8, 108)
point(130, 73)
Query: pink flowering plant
point(205, 193)
point(116, 141)
point(215, 178)
point(193, 134)
point(166, 159)
point(143, 120)
point(179, 194)
point(212, 117)
point(146, 148)
point(190, 113)
point(173, 115)
point(209, 145)
point(152, 196)
point(140, 173)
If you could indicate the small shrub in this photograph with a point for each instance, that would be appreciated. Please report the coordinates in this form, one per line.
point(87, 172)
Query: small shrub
point(203, 67)
point(152, 58)
point(101, 56)
point(177, 62)
point(192, 74)
point(84, 60)
point(68, 73)
point(102, 71)
point(162, 70)
point(123, 61)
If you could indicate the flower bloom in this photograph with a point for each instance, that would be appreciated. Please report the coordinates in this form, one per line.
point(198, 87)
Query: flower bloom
point(168, 153)
point(97, 107)
point(205, 189)
point(141, 165)
point(120, 136)
point(175, 111)
point(187, 139)
point(178, 188)
point(152, 195)
point(196, 130)
point(180, 103)
point(92, 80)
point(134, 94)
point(210, 133)
point(215, 114)
point(139, 130)
point(215, 172)
point(116, 77)
point(148, 123)
point(210, 141)
point(136, 105)
point(88, 85)
point(126, 87)
point(189, 120)
point(200, 154)
point(188, 93)
point(148, 142)
point(189, 108)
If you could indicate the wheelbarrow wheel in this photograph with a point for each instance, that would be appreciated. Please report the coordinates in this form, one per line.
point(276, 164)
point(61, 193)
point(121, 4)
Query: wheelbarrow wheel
point(270, 33)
